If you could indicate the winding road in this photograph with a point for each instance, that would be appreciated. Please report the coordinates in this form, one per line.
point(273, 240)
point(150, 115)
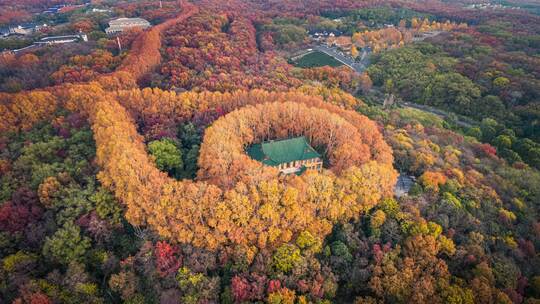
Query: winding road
point(363, 64)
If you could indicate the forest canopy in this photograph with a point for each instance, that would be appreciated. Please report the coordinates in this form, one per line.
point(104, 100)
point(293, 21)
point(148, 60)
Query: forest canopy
point(124, 176)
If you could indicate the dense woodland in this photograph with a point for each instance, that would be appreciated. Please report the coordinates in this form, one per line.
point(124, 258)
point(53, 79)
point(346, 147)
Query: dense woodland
point(472, 74)
point(124, 176)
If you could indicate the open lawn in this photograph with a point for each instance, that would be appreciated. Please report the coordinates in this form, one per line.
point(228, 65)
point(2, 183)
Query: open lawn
point(316, 59)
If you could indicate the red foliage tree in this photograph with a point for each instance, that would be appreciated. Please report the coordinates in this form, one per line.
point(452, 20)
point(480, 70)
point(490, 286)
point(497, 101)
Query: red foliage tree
point(23, 209)
point(248, 288)
point(201, 56)
point(145, 50)
point(486, 150)
point(167, 259)
point(39, 298)
point(273, 285)
point(240, 289)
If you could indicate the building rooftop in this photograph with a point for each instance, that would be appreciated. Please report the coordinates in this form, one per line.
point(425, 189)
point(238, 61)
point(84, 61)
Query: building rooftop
point(273, 153)
point(340, 41)
point(54, 38)
point(123, 21)
point(120, 24)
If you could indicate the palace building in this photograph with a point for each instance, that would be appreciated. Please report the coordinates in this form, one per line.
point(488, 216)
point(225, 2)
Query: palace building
point(121, 24)
point(293, 155)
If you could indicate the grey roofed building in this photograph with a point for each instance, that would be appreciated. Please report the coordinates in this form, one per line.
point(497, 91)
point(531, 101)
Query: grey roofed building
point(24, 29)
point(62, 39)
point(121, 24)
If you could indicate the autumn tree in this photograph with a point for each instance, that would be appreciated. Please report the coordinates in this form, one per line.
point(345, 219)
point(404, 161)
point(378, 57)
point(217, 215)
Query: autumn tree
point(354, 51)
point(207, 201)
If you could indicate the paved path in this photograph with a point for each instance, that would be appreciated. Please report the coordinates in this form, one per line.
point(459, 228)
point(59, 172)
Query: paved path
point(441, 113)
point(403, 185)
point(426, 35)
point(304, 53)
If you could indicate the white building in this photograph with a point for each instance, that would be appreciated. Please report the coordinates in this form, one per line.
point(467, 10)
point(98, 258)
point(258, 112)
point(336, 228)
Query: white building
point(26, 29)
point(121, 24)
point(62, 39)
point(101, 10)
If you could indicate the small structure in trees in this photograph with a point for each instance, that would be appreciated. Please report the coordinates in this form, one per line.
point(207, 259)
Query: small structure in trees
point(389, 101)
point(403, 185)
point(342, 42)
point(293, 155)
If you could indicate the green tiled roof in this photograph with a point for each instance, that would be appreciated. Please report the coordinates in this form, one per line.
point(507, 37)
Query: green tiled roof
point(273, 153)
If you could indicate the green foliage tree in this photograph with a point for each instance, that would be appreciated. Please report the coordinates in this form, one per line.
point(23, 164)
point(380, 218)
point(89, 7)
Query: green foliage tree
point(390, 207)
point(41, 160)
point(74, 202)
point(166, 154)
point(490, 128)
point(189, 135)
point(190, 161)
point(325, 25)
point(489, 105)
point(306, 241)
point(510, 155)
point(453, 91)
point(501, 82)
point(17, 260)
point(475, 132)
point(340, 250)
point(529, 151)
point(506, 272)
point(289, 33)
point(454, 294)
point(503, 142)
point(66, 245)
point(196, 287)
point(107, 207)
point(191, 138)
point(286, 258)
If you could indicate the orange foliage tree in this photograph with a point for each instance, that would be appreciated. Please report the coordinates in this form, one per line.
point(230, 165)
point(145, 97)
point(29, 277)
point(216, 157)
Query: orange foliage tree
point(21, 111)
point(222, 154)
point(249, 214)
point(393, 37)
point(148, 105)
point(433, 180)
